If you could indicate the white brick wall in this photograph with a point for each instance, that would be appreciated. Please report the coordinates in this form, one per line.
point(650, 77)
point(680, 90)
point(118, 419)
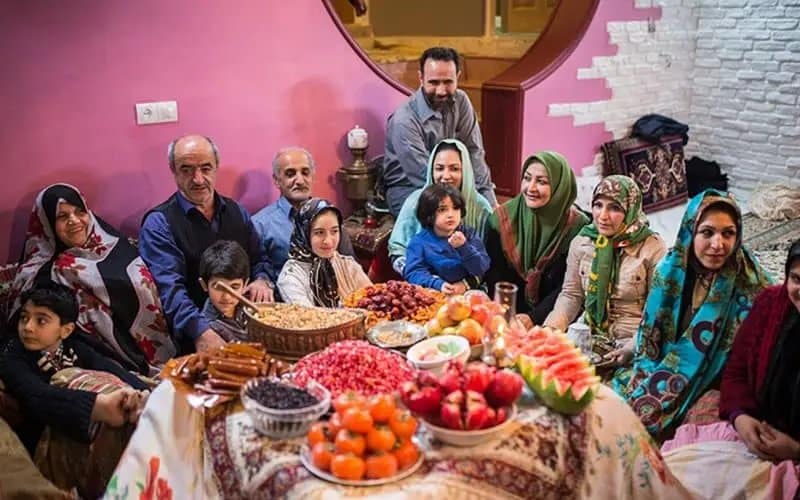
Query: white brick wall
point(728, 68)
point(744, 111)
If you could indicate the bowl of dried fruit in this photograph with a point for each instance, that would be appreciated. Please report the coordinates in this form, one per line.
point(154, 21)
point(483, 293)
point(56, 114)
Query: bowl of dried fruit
point(290, 331)
point(281, 409)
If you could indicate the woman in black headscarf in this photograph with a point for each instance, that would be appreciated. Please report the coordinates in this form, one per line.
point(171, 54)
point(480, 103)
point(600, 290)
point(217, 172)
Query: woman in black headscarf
point(316, 274)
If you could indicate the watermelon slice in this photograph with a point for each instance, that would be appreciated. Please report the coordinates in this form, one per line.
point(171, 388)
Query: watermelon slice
point(559, 374)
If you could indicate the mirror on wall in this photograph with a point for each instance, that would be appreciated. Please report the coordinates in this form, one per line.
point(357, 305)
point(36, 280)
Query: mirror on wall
point(491, 35)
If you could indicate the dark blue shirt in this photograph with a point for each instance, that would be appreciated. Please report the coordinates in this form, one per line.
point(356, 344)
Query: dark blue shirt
point(431, 261)
point(166, 262)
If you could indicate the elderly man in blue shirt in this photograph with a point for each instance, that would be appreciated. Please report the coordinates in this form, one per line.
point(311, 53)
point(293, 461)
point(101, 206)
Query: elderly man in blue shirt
point(175, 233)
point(437, 110)
point(293, 174)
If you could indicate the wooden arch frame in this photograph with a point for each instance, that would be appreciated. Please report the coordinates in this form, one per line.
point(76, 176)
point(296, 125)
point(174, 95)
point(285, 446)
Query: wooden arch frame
point(503, 97)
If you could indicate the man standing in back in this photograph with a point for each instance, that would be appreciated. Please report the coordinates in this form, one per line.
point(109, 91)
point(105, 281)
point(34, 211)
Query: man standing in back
point(437, 110)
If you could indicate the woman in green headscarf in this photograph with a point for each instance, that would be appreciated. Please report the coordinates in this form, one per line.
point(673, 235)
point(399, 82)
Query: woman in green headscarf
point(609, 269)
point(449, 163)
point(528, 236)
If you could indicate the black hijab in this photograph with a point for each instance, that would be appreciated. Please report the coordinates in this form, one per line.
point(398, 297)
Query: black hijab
point(322, 277)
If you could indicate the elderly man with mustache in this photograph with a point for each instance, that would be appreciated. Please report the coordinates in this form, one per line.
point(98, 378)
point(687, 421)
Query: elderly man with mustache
point(175, 233)
point(293, 174)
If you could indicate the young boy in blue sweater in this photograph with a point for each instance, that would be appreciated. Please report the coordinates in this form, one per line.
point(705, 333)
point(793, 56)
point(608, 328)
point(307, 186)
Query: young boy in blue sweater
point(444, 255)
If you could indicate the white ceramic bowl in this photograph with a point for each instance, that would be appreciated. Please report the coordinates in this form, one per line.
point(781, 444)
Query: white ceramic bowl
point(437, 366)
point(469, 438)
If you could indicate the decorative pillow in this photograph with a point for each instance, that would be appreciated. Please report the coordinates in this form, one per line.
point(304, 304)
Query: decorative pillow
point(87, 380)
point(658, 169)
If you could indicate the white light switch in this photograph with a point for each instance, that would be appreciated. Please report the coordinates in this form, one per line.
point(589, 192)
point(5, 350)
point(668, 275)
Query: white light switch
point(148, 113)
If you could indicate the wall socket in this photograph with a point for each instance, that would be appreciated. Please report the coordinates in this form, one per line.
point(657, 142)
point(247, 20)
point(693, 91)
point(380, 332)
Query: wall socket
point(148, 113)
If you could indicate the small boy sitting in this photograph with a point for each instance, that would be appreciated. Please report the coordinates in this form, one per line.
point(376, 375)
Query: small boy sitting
point(48, 341)
point(225, 262)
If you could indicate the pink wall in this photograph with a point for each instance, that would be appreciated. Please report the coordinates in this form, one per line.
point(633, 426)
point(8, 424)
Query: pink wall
point(579, 144)
point(253, 74)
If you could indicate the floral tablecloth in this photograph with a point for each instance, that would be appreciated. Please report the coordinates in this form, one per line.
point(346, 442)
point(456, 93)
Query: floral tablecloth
point(177, 452)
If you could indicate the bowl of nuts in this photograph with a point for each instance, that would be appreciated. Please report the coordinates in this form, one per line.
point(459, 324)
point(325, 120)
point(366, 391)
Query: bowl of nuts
point(281, 409)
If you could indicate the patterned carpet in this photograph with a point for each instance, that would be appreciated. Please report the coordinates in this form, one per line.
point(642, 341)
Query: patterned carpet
point(770, 240)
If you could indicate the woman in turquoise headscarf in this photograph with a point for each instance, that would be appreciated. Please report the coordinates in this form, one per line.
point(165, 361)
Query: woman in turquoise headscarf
point(449, 163)
point(701, 293)
point(609, 269)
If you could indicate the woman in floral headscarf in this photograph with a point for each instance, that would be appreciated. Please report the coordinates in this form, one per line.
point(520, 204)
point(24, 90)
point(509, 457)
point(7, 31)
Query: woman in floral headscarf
point(609, 269)
point(316, 274)
point(119, 306)
point(528, 236)
point(702, 291)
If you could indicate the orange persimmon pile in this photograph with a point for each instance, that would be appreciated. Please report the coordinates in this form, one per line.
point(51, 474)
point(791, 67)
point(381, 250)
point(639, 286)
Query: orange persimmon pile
point(364, 438)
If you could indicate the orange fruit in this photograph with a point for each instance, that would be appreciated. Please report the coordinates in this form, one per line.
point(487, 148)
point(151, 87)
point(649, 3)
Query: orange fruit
point(381, 407)
point(350, 442)
point(321, 455)
point(403, 424)
point(357, 420)
point(406, 454)
point(347, 466)
point(381, 439)
point(381, 465)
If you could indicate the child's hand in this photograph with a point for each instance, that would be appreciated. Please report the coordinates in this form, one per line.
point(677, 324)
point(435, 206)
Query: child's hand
point(457, 239)
point(134, 405)
point(454, 288)
point(110, 408)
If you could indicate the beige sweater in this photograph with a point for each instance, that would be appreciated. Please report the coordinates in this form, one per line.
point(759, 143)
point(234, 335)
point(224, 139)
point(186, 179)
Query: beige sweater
point(295, 287)
point(628, 294)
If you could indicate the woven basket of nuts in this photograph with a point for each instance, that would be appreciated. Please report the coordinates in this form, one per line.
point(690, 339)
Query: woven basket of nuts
point(290, 331)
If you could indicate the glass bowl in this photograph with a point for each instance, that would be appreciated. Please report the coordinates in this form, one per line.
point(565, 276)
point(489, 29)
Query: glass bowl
point(284, 424)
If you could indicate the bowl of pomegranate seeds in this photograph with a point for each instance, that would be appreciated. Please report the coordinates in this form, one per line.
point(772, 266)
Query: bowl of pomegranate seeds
point(354, 365)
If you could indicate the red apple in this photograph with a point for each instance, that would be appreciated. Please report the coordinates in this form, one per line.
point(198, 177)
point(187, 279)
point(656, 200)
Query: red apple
point(504, 389)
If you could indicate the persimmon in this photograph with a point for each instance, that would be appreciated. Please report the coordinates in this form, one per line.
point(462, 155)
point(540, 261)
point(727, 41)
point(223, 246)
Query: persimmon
point(381, 438)
point(319, 433)
point(322, 454)
point(357, 420)
point(347, 466)
point(403, 424)
point(406, 453)
point(381, 407)
point(381, 465)
point(350, 442)
point(347, 400)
